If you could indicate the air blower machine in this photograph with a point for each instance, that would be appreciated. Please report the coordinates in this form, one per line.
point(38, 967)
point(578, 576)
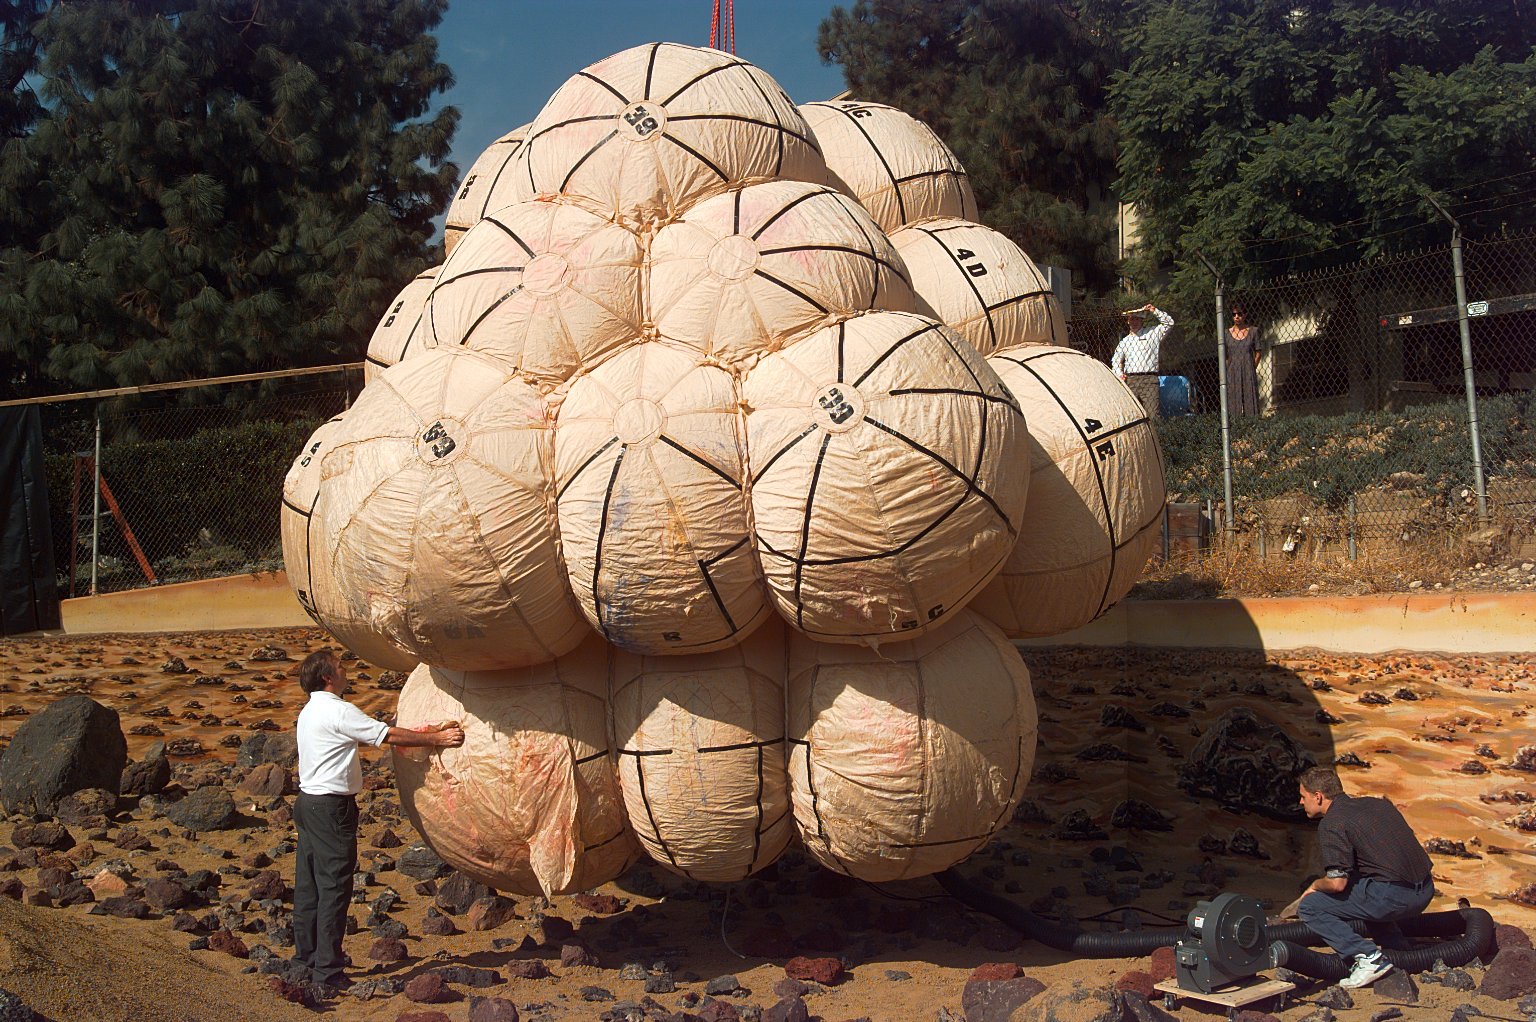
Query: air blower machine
point(1227, 943)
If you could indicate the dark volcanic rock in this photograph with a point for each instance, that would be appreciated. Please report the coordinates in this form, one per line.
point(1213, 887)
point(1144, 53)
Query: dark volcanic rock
point(280, 747)
point(467, 976)
point(12, 1009)
point(147, 776)
point(528, 968)
point(421, 863)
point(1510, 975)
point(790, 1009)
point(1397, 985)
point(492, 1009)
point(52, 836)
point(995, 1000)
point(207, 808)
point(86, 806)
point(428, 988)
point(458, 892)
point(73, 744)
point(826, 971)
point(1248, 763)
point(267, 780)
point(1134, 814)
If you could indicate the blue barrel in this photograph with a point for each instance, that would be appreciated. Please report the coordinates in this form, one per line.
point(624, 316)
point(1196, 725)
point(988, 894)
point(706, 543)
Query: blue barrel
point(1173, 395)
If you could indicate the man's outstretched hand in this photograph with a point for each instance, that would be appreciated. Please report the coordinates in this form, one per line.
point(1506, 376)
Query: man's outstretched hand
point(449, 733)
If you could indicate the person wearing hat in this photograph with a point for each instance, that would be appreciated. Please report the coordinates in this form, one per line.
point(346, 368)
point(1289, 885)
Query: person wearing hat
point(1135, 358)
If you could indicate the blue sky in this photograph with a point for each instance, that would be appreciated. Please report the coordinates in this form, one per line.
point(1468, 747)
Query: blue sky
point(508, 57)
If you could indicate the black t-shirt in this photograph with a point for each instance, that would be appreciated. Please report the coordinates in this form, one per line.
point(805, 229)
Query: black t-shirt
point(1368, 837)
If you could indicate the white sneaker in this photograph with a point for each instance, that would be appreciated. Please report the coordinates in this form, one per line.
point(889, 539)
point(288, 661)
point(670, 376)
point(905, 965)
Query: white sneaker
point(1367, 970)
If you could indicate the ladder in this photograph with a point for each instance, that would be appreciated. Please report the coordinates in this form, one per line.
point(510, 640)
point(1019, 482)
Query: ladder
point(85, 462)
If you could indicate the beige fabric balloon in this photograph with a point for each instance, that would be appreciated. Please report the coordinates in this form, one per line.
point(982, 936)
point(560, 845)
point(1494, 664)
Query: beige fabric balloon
point(547, 286)
point(530, 803)
point(891, 162)
point(300, 488)
point(653, 129)
point(399, 333)
point(905, 761)
point(472, 201)
point(432, 535)
point(700, 741)
point(745, 272)
point(980, 284)
point(887, 476)
point(653, 521)
point(1096, 494)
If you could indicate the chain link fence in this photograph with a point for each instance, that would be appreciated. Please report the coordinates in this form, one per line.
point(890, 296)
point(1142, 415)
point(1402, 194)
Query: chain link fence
point(190, 478)
point(1346, 390)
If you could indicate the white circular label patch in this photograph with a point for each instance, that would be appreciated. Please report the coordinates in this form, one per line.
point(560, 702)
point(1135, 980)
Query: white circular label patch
point(641, 122)
point(639, 421)
point(837, 408)
point(441, 441)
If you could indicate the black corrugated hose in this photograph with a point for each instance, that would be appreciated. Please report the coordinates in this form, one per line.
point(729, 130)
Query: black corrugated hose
point(1464, 934)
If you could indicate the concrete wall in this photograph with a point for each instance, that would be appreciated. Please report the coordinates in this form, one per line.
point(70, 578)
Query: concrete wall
point(1431, 623)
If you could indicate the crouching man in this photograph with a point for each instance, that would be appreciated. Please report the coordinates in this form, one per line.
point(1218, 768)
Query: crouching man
point(325, 812)
point(1375, 872)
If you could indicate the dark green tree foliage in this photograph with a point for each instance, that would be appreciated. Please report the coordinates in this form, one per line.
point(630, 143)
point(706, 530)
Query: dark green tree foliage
point(225, 186)
point(1017, 88)
point(1281, 135)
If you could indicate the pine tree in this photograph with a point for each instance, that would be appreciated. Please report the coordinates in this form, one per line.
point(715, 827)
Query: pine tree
point(1018, 89)
point(223, 185)
point(1281, 135)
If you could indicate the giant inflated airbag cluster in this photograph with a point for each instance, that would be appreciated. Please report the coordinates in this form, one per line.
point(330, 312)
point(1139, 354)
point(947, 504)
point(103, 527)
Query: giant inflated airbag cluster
point(705, 483)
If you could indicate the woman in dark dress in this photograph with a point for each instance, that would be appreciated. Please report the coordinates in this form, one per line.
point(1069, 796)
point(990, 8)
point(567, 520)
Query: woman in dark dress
point(1243, 355)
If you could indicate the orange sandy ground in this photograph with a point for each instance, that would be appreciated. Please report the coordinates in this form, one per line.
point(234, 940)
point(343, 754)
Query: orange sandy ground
point(73, 966)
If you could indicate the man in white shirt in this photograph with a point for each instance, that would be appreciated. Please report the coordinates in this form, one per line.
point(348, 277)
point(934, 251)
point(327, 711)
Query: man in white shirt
point(325, 812)
point(1135, 358)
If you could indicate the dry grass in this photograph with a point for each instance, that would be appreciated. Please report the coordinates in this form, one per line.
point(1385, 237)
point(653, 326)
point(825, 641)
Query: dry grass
point(1243, 573)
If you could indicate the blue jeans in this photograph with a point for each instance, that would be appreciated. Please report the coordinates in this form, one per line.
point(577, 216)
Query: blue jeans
point(1368, 900)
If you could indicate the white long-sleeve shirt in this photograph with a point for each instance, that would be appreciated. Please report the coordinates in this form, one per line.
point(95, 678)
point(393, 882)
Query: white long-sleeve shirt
point(1137, 351)
point(330, 729)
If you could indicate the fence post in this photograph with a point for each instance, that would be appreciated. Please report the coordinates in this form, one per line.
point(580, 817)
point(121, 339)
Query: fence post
point(1230, 519)
point(96, 500)
point(1468, 377)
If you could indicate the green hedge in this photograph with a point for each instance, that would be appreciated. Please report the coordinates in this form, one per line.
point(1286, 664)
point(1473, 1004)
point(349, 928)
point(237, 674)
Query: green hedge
point(1331, 457)
point(199, 505)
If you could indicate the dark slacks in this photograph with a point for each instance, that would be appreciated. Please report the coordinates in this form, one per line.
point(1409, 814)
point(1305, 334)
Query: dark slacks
point(1379, 903)
point(322, 890)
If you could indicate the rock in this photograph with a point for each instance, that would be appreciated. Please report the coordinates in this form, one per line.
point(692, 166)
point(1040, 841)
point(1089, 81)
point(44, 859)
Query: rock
point(573, 955)
point(790, 1009)
point(529, 968)
point(1162, 965)
point(1444, 846)
point(492, 1009)
point(1238, 760)
point(995, 1000)
point(1458, 979)
point(267, 781)
point(661, 983)
point(1134, 814)
point(386, 839)
point(468, 976)
point(223, 940)
point(1318, 1015)
point(595, 993)
point(207, 808)
point(421, 863)
point(1245, 844)
point(599, 904)
point(388, 950)
point(1077, 825)
point(125, 907)
point(489, 912)
point(280, 747)
point(1385, 1014)
point(1511, 974)
point(13, 1009)
point(1397, 985)
point(995, 971)
point(826, 971)
point(427, 988)
point(72, 744)
point(437, 925)
point(1335, 997)
point(1141, 982)
point(268, 885)
point(458, 893)
point(1505, 935)
point(106, 884)
point(722, 986)
point(85, 805)
point(52, 836)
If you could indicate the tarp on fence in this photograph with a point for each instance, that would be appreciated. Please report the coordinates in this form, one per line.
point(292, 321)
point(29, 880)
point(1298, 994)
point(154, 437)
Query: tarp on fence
point(29, 599)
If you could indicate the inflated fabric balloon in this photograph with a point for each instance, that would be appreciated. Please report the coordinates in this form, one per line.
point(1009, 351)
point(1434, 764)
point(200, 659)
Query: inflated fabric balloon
point(399, 333)
point(888, 476)
point(653, 129)
point(653, 520)
point(745, 272)
point(980, 284)
point(547, 286)
point(432, 537)
point(300, 488)
point(1096, 494)
point(700, 741)
point(905, 761)
point(891, 162)
point(473, 199)
point(530, 803)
